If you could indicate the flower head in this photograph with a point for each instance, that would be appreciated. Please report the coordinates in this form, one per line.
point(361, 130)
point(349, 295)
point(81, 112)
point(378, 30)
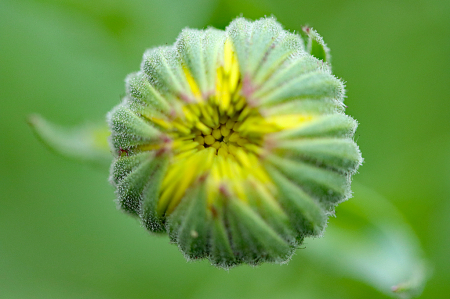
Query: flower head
point(234, 142)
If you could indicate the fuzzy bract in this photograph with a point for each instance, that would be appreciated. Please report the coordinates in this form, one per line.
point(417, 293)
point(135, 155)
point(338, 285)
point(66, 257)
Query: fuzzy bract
point(234, 142)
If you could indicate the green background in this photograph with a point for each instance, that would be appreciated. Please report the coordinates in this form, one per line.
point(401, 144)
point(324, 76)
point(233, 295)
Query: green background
point(60, 233)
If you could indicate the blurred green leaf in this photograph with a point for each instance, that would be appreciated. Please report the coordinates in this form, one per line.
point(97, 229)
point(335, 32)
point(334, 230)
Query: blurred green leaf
point(86, 143)
point(370, 241)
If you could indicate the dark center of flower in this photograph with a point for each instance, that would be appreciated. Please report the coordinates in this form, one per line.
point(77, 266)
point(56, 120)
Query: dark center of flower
point(224, 137)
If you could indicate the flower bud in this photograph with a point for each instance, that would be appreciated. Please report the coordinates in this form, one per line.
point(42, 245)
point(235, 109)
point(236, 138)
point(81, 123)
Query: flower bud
point(234, 142)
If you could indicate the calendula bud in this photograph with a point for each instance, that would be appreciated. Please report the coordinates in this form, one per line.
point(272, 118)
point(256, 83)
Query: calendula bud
point(234, 142)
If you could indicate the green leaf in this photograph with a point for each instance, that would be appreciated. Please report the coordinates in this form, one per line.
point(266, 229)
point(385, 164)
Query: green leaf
point(162, 65)
point(143, 96)
point(221, 253)
point(337, 153)
point(272, 212)
point(284, 48)
point(305, 213)
point(189, 224)
point(130, 130)
point(327, 186)
point(306, 107)
point(150, 196)
point(297, 65)
point(313, 85)
point(130, 188)
point(370, 241)
point(86, 143)
point(331, 125)
point(253, 240)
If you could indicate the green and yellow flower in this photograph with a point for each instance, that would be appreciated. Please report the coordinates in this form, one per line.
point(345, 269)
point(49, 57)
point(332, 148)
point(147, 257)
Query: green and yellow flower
point(234, 142)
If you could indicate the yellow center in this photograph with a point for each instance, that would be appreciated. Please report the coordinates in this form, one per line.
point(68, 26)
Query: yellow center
point(218, 138)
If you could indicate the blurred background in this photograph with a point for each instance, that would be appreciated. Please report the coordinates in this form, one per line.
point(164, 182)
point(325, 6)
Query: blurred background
point(60, 233)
